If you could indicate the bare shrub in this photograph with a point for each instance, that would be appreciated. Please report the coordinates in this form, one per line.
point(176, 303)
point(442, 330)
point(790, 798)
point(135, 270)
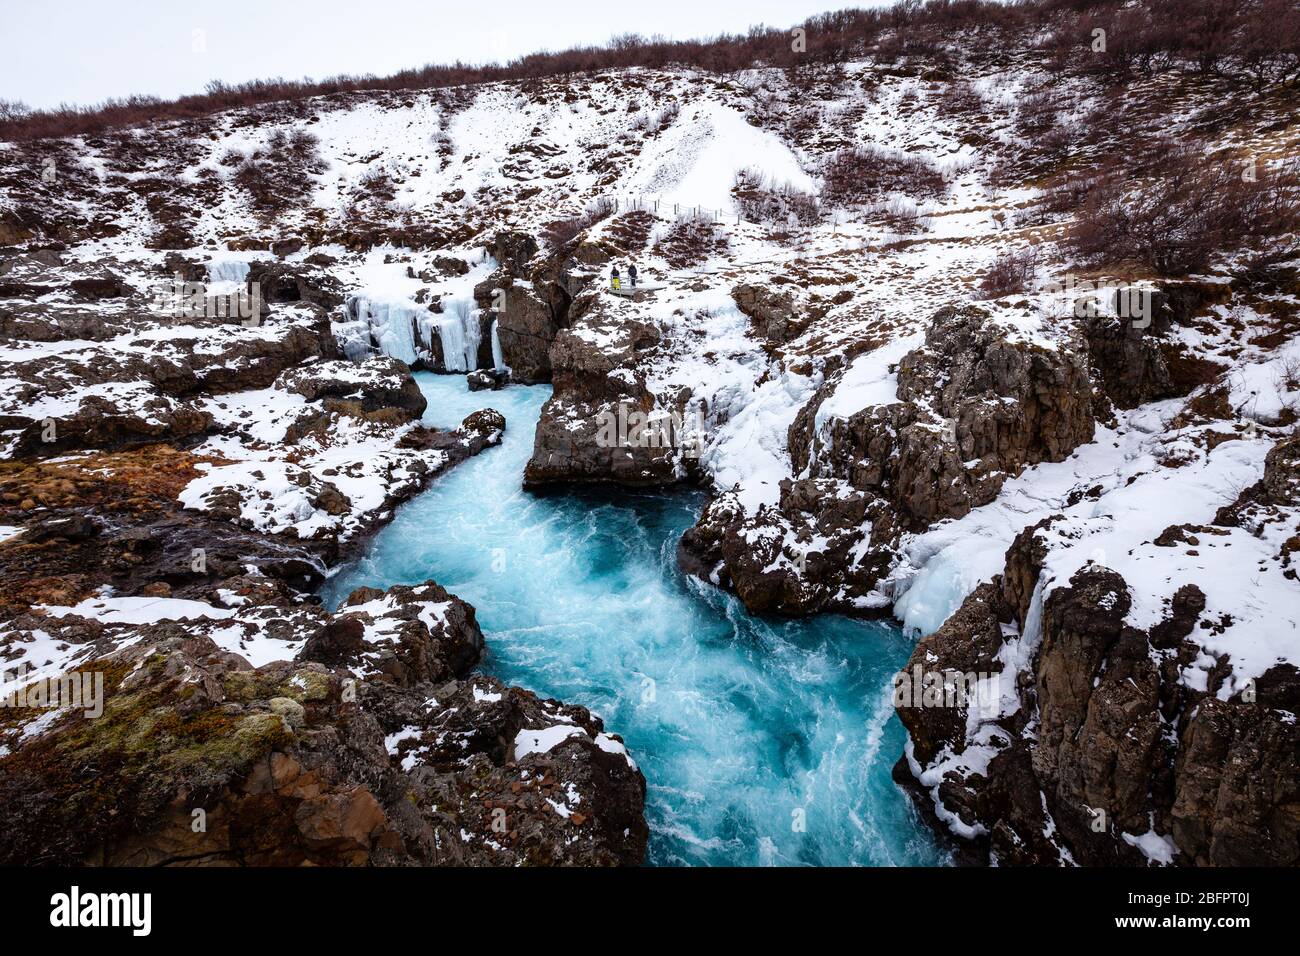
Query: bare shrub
point(960, 99)
point(1010, 273)
point(1269, 49)
point(691, 241)
point(275, 176)
point(1186, 210)
point(667, 115)
point(864, 175)
point(12, 110)
point(760, 201)
point(561, 231)
point(1067, 192)
point(1036, 114)
point(901, 216)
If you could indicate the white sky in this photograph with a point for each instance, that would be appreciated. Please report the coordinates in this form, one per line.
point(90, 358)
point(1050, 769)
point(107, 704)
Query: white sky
point(84, 51)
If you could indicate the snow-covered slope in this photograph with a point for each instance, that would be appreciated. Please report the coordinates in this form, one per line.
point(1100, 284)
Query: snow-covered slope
point(879, 421)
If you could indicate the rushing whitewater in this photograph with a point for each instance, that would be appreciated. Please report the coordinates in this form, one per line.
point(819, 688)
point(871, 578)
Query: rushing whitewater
point(762, 741)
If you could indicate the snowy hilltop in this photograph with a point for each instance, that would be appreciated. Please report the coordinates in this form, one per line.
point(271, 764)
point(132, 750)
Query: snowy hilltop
point(976, 325)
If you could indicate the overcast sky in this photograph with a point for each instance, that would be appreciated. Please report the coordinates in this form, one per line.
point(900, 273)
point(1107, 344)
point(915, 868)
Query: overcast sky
point(84, 51)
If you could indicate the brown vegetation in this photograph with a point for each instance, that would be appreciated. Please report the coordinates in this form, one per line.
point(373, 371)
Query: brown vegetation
point(861, 174)
point(1258, 40)
point(691, 241)
point(1182, 210)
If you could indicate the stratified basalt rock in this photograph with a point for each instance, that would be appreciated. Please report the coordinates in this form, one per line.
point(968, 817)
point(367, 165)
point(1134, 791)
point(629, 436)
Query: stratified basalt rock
point(530, 300)
point(113, 520)
point(526, 329)
point(596, 426)
point(796, 557)
point(279, 282)
point(973, 409)
point(513, 251)
point(108, 398)
point(1134, 360)
point(1097, 743)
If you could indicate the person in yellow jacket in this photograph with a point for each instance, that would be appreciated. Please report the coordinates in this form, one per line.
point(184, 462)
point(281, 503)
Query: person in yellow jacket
point(614, 279)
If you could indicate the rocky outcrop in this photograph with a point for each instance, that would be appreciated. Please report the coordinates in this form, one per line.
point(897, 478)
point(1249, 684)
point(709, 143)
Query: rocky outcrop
point(486, 379)
point(773, 314)
point(382, 383)
point(1093, 748)
point(280, 282)
point(201, 759)
point(526, 329)
point(114, 397)
point(973, 409)
point(597, 425)
point(513, 251)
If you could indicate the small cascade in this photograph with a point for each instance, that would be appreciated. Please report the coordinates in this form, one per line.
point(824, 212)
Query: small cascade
point(473, 336)
point(451, 331)
point(498, 360)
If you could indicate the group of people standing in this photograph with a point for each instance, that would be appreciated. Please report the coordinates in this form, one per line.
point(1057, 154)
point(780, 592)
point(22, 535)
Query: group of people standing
point(617, 283)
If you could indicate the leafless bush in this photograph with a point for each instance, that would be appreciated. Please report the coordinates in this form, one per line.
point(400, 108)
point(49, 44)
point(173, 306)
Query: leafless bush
point(12, 110)
point(901, 216)
point(960, 99)
point(690, 241)
point(1011, 272)
point(865, 174)
point(653, 122)
point(668, 115)
point(275, 176)
point(560, 231)
point(760, 201)
point(1036, 114)
point(1186, 210)
point(1068, 191)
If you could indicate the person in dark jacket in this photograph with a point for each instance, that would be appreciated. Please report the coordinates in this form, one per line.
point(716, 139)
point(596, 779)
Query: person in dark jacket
point(613, 278)
point(631, 274)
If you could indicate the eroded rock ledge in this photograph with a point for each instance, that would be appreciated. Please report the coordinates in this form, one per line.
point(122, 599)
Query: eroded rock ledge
point(375, 744)
point(1093, 741)
point(969, 410)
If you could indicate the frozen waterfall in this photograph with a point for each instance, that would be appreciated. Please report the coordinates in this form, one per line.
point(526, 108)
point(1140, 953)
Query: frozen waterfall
point(459, 334)
point(405, 331)
point(227, 276)
point(392, 326)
